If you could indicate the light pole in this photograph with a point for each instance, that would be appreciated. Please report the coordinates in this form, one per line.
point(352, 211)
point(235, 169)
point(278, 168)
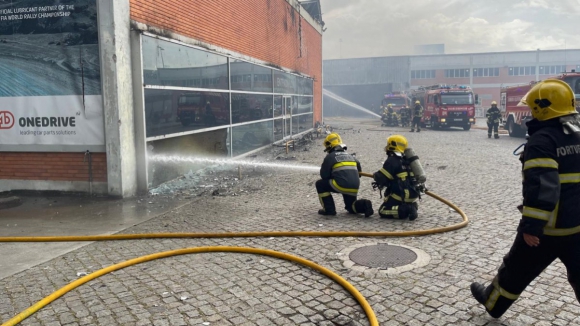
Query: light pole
point(340, 47)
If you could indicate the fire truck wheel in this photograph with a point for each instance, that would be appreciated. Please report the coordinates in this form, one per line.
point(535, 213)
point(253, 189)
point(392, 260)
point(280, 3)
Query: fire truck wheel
point(435, 125)
point(513, 129)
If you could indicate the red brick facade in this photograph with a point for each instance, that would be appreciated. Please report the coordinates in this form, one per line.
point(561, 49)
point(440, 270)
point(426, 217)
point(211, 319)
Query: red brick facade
point(52, 166)
point(268, 30)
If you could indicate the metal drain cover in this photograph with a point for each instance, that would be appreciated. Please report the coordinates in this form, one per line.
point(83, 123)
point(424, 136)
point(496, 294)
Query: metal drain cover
point(382, 256)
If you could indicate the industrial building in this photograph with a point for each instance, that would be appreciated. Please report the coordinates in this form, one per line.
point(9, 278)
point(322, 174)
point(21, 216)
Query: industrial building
point(137, 78)
point(364, 81)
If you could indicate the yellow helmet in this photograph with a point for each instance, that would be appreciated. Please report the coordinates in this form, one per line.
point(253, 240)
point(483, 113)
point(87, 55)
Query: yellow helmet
point(396, 143)
point(417, 102)
point(493, 103)
point(389, 105)
point(331, 141)
point(550, 99)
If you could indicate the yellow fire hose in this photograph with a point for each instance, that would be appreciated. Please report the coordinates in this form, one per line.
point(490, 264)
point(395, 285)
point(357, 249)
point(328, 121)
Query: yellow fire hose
point(138, 236)
point(351, 289)
point(55, 295)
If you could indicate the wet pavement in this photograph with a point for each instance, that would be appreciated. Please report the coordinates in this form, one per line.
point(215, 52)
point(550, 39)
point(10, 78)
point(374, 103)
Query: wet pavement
point(68, 215)
point(478, 174)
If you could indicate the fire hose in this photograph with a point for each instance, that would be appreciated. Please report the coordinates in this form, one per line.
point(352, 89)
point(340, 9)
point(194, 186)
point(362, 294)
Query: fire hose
point(345, 284)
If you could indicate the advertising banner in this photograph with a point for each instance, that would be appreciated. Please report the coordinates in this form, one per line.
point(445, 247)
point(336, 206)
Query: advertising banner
point(50, 91)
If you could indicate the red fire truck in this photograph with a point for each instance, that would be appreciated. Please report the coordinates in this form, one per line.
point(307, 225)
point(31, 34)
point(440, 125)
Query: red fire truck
point(397, 99)
point(446, 106)
point(515, 114)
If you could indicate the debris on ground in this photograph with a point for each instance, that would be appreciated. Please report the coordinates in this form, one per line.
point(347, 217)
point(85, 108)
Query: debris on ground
point(231, 180)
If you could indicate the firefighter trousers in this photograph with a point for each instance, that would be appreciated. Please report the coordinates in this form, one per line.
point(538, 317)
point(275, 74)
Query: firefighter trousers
point(351, 204)
point(416, 122)
point(395, 209)
point(524, 263)
point(495, 127)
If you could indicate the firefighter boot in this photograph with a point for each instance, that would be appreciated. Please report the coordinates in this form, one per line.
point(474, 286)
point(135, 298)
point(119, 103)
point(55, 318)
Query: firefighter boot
point(482, 294)
point(327, 203)
point(407, 211)
point(496, 136)
point(413, 130)
point(413, 214)
point(488, 135)
point(363, 206)
point(478, 292)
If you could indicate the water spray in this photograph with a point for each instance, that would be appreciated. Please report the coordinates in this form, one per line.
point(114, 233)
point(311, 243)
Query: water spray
point(192, 159)
point(347, 102)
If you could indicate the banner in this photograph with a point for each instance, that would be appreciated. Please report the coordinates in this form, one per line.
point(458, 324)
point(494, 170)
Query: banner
point(50, 85)
point(51, 120)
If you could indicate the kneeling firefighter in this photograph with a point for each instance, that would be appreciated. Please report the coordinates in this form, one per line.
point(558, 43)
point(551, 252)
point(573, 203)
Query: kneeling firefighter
point(340, 174)
point(403, 178)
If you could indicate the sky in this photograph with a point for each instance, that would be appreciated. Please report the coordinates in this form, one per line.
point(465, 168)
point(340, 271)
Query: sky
point(371, 28)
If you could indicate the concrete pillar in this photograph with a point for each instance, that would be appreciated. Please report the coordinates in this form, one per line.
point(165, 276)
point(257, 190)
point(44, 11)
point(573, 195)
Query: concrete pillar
point(139, 111)
point(117, 90)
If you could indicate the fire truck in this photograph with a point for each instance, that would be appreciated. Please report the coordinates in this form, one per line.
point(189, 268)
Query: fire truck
point(446, 106)
point(515, 113)
point(397, 99)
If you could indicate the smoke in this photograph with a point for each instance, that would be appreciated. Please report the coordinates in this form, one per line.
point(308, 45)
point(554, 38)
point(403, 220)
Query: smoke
point(367, 28)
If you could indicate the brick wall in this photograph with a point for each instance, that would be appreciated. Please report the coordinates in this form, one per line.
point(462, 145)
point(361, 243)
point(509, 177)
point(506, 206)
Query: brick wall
point(268, 30)
point(52, 166)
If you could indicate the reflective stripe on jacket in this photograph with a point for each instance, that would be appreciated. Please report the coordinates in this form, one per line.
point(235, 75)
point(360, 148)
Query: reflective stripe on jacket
point(551, 187)
point(418, 111)
point(394, 176)
point(493, 115)
point(341, 169)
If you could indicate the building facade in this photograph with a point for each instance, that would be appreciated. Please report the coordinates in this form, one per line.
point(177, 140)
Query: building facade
point(191, 78)
point(365, 80)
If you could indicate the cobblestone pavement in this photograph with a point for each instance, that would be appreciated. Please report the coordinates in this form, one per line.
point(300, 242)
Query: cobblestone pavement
point(480, 175)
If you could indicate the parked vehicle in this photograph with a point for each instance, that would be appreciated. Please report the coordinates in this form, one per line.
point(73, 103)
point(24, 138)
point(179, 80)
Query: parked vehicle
point(446, 105)
point(515, 113)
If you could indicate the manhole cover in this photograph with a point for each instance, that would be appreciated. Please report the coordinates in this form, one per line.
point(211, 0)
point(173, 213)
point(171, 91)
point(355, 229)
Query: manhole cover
point(382, 256)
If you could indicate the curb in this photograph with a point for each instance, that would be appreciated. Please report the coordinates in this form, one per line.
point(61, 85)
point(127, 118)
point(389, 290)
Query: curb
point(10, 202)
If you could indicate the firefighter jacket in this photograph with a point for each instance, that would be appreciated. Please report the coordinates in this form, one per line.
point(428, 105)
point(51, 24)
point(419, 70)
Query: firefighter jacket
point(418, 111)
point(551, 185)
point(493, 115)
point(341, 169)
point(396, 176)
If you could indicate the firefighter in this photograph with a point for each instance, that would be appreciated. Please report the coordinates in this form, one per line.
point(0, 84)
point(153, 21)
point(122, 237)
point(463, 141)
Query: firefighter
point(209, 117)
point(340, 174)
point(417, 115)
point(396, 176)
point(550, 223)
point(385, 116)
point(404, 116)
point(391, 116)
point(493, 116)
